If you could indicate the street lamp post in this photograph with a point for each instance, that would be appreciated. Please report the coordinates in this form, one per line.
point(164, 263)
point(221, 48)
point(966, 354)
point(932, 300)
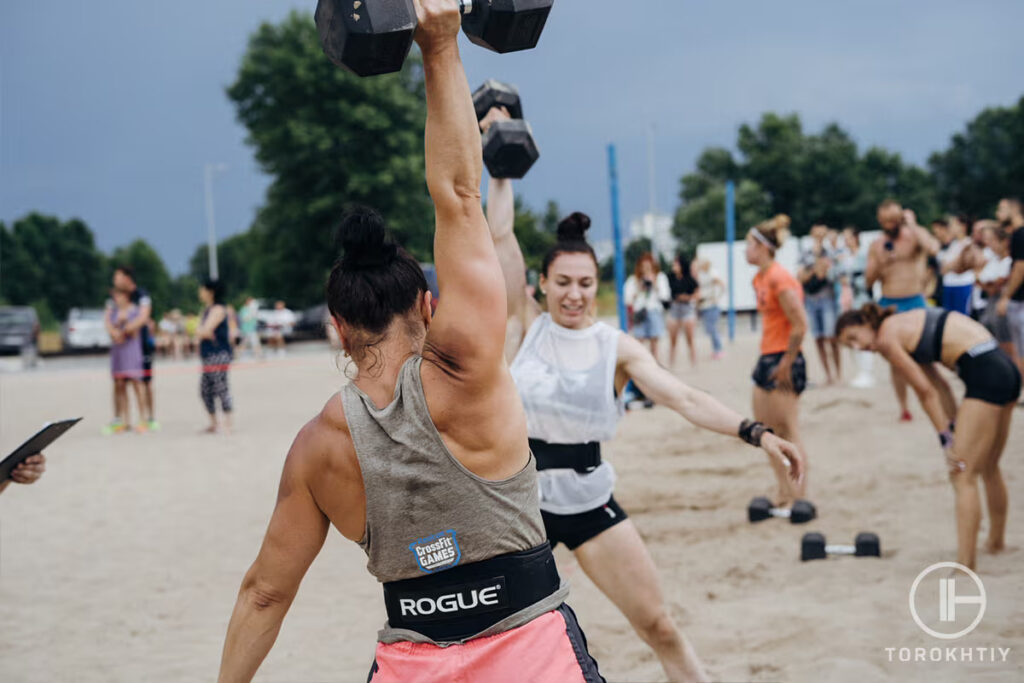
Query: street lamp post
point(208, 171)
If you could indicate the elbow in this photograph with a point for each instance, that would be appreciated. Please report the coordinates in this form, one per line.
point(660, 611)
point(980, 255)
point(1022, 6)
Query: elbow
point(262, 595)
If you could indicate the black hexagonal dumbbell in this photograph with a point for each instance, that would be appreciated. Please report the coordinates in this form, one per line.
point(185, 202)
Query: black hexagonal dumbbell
point(813, 546)
point(761, 508)
point(509, 147)
point(370, 37)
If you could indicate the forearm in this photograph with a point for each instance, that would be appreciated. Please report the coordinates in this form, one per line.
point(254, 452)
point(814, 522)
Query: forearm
point(1016, 278)
point(932, 405)
point(796, 340)
point(501, 221)
point(501, 211)
point(705, 411)
point(4, 485)
point(251, 634)
point(454, 159)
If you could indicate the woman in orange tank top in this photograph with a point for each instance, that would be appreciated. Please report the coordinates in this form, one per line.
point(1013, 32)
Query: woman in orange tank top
point(781, 374)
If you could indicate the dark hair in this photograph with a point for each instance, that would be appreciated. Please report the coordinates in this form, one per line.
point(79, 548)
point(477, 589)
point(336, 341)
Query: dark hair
point(572, 239)
point(127, 270)
point(375, 279)
point(870, 314)
point(685, 265)
point(215, 287)
point(940, 222)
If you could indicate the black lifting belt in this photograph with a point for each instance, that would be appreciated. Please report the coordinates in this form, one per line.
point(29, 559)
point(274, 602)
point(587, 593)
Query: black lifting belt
point(582, 457)
point(462, 601)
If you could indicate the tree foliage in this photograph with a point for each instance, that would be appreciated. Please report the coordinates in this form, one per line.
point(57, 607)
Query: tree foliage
point(44, 259)
point(984, 163)
point(328, 139)
point(820, 177)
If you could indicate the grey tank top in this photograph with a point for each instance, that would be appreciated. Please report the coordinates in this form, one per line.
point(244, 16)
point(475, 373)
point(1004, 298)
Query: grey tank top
point(425, 512)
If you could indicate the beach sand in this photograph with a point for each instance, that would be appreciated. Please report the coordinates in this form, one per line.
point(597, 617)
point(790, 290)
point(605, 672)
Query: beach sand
point(124, 561)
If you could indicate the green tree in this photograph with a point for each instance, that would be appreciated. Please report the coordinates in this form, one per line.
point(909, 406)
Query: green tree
point(984, 163)
point(702, 219)
point(773, 155)
point(50, 262)
point(150, 272)
point(328, 139)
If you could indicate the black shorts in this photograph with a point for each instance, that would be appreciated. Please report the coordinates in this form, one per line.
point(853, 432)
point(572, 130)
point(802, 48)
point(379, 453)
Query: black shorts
point(990, 376)
point(766, 365)
point(575, 530)
point(147, 358)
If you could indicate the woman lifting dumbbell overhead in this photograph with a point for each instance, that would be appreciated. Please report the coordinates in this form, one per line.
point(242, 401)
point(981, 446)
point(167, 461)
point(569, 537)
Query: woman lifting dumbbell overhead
point(982, 421)
point(780, 375)
point(568, 368)
point(423, 458)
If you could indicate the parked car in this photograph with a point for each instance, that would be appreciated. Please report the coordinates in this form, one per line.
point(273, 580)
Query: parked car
point(85, 328)
point(19, 330)
point(312, 323)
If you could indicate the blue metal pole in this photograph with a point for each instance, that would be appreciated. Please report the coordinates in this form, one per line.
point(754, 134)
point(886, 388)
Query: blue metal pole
point(730, 238)
point(620, 261)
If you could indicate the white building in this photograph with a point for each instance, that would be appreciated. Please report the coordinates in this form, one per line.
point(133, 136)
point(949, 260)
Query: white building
point(657, 228)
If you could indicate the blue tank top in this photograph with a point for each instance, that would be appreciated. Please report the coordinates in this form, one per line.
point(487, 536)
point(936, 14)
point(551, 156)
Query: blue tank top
point(221, 342)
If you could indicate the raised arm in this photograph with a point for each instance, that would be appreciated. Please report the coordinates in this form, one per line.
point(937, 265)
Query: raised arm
point(469, 329)
point(294, 537)
point(873, 271)
point(697, 407)
point(501, 216)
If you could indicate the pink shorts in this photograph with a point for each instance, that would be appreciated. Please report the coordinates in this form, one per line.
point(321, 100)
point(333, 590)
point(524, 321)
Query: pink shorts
point(549, 649)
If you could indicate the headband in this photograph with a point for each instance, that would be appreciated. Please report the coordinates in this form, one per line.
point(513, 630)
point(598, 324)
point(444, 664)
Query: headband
point(762, 239)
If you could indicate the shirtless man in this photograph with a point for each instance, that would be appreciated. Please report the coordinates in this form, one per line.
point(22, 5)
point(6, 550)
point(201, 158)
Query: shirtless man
point(899, 261)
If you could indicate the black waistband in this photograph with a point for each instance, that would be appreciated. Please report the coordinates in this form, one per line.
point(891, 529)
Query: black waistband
point(582, 457)
point(467, 599)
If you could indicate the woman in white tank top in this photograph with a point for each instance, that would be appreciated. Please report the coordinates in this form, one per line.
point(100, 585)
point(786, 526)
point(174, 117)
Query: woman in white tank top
point(568, 369)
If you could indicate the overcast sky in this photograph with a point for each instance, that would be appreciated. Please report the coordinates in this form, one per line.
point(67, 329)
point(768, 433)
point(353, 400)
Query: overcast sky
point(110, 108)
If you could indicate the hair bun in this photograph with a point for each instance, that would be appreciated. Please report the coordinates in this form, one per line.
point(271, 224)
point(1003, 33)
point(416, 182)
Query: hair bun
point(574, 228)
point(364, 240)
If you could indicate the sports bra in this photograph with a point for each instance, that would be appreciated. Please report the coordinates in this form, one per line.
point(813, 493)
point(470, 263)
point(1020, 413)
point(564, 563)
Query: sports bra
point(929, 347)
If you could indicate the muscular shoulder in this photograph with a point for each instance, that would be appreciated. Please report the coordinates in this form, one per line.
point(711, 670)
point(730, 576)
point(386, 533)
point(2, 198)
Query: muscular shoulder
point(324, 443)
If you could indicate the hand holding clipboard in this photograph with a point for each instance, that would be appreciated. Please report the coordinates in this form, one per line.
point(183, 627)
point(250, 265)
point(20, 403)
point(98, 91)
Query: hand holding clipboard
point(29, 454)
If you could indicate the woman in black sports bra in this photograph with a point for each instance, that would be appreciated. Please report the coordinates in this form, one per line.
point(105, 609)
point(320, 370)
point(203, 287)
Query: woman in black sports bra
point(913, 341)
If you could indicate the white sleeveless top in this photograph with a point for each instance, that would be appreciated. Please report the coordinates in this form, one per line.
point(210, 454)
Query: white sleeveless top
point(566, 379)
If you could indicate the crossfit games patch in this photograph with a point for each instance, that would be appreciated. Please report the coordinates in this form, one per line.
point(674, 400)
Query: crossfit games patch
point(436, 553)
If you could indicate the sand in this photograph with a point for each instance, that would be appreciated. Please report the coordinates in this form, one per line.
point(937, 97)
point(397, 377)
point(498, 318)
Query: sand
point(123, 562)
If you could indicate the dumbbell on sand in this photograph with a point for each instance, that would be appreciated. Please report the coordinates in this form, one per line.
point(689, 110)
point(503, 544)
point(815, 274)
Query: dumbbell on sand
point(813, 546)
point(761, 509)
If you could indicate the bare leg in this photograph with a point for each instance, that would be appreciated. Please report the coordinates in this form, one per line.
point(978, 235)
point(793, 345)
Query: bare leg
point(673, 340)
point(618, 563)
point(689, 327)
point(823, 354)
point(996, 496)
point(977, 424)
point(780, 411)
point(139, 397)
point(899, 383)
point(120, 401)
point(836, 358)
point(146, 401)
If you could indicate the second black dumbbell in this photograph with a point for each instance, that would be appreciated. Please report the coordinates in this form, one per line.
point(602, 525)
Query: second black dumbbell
point(813, 546)
point(761, 509)
point(510, 150)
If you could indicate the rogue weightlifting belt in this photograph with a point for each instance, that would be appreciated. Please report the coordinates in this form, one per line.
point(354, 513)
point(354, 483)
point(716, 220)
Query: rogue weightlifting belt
point(467, 599)
point(582, 457)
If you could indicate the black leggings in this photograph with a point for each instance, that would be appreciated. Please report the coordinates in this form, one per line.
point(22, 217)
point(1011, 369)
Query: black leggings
point(214, 383)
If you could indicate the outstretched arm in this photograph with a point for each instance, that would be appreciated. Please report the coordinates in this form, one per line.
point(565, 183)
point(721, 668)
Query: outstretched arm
point(697, 407)
point(469, 329)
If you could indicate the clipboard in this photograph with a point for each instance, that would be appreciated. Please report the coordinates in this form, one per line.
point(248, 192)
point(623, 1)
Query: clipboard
point(35, 445)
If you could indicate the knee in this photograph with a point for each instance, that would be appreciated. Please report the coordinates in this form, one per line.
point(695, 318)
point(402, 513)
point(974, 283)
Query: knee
point(658, 629)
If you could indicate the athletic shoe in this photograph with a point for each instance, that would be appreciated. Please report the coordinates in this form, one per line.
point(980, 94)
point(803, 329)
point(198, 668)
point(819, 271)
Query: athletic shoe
point(718, 355)
point(114, 428)
point(153, 425)
point(906, 416)
point(141, 428)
